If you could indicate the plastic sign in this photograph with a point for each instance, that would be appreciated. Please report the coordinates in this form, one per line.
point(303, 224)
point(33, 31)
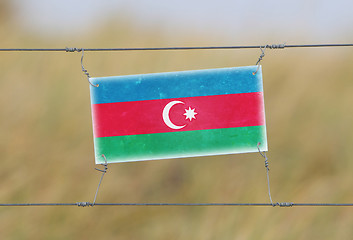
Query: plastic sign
point(178, 114)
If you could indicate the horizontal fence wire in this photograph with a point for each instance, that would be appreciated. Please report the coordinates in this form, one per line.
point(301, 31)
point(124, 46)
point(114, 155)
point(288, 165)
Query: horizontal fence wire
point(272, 46)
point(88, 204)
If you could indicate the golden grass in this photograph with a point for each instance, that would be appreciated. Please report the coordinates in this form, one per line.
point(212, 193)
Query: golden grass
point(47, 148)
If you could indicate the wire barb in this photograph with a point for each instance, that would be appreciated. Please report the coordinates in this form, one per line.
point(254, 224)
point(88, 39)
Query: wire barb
point(103, 172)
point(67, 49)
point(263, 154)
point(84, 204)
point(284, 204)
point(276, 46)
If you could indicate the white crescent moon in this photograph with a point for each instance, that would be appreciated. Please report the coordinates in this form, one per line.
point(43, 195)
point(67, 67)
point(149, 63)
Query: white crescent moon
point(165, 115)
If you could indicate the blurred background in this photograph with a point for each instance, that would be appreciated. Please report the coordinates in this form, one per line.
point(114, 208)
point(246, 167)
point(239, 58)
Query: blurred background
point(46, 133)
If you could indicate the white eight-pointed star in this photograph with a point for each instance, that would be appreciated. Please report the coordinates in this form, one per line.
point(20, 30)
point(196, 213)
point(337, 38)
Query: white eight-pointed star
point(190, 114)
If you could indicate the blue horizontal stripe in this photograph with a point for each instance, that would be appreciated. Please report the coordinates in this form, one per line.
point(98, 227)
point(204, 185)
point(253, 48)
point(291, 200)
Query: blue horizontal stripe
point(176, 85)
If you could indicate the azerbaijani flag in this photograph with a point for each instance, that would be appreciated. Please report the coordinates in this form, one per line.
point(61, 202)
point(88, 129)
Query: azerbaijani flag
point(178, 114)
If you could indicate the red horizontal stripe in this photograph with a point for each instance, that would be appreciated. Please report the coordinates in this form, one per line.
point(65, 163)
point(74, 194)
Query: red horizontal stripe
point(145, 117)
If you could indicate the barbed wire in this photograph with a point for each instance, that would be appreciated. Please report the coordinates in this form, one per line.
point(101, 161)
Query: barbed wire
point(89, 204)
point(270, 46)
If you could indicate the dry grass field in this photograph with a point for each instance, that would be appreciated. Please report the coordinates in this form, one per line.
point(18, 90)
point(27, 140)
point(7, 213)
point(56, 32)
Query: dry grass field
point(46, 146)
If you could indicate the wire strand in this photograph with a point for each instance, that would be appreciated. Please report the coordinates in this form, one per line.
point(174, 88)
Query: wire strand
point(104, 171)
point(271, 46)
point(88, 204)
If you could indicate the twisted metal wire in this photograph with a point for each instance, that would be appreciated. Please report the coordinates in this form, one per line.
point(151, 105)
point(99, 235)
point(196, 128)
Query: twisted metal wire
point(88, 204)
point(263, 154)
point(269, 46)
point(82, 67)
point(103, 172)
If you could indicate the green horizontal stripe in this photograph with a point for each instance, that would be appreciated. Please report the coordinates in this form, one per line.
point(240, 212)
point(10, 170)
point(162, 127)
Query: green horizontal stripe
point(180, 144)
